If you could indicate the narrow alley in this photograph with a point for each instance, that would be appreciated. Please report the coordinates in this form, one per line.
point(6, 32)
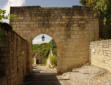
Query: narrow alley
point(42, 76)
point(85, 75)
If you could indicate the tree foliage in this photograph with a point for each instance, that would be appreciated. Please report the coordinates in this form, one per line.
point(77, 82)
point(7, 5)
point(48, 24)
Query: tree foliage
point(2, 15)
point(44, 48)
point(102, 9)
point(83, 2)
point(53, 46)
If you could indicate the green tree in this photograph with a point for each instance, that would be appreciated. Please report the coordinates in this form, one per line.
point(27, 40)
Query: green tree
point(44, 49)
point(83, 2)
point(102, 9)
point(2, 15)
point(53, 46)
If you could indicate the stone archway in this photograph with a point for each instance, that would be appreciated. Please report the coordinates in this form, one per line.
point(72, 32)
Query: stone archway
point(71, 27)
point(58, 41)
point(45, 51)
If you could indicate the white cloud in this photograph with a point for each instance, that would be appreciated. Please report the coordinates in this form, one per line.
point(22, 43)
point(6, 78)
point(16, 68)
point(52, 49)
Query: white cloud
point(12, 3)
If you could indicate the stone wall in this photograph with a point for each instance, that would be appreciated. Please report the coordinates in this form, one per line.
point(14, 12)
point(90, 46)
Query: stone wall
point(72, 28)
point(13, 56)
point(101, 54)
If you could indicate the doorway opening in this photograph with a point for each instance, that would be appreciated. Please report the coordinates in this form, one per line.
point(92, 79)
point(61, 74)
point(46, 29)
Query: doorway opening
point(44, 52)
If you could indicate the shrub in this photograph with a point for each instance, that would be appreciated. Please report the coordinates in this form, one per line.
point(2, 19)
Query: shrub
point(53, 60)
point(44, 61)
point(33, 61)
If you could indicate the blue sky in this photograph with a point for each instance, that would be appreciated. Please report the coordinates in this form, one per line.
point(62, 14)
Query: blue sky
point(43, 3)
point(52, 3)
point(5, 4)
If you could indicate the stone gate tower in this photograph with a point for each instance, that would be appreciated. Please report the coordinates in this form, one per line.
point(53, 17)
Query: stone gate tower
point(71, 27)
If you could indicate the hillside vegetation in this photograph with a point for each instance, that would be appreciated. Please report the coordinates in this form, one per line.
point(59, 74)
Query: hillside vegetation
point(44, 49)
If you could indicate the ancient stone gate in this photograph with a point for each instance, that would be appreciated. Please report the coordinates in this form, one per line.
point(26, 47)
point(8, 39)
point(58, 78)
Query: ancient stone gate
point(72, 28)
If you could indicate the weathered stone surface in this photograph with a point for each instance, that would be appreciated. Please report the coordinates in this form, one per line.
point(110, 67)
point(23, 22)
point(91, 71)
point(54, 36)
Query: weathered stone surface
point(13, 56)
point(101, 54)
point(72, 29)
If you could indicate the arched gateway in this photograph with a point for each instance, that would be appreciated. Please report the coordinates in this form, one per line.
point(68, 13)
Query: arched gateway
point(71, 27)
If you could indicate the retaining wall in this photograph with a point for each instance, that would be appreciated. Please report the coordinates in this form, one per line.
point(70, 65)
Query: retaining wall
point(101, 54)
